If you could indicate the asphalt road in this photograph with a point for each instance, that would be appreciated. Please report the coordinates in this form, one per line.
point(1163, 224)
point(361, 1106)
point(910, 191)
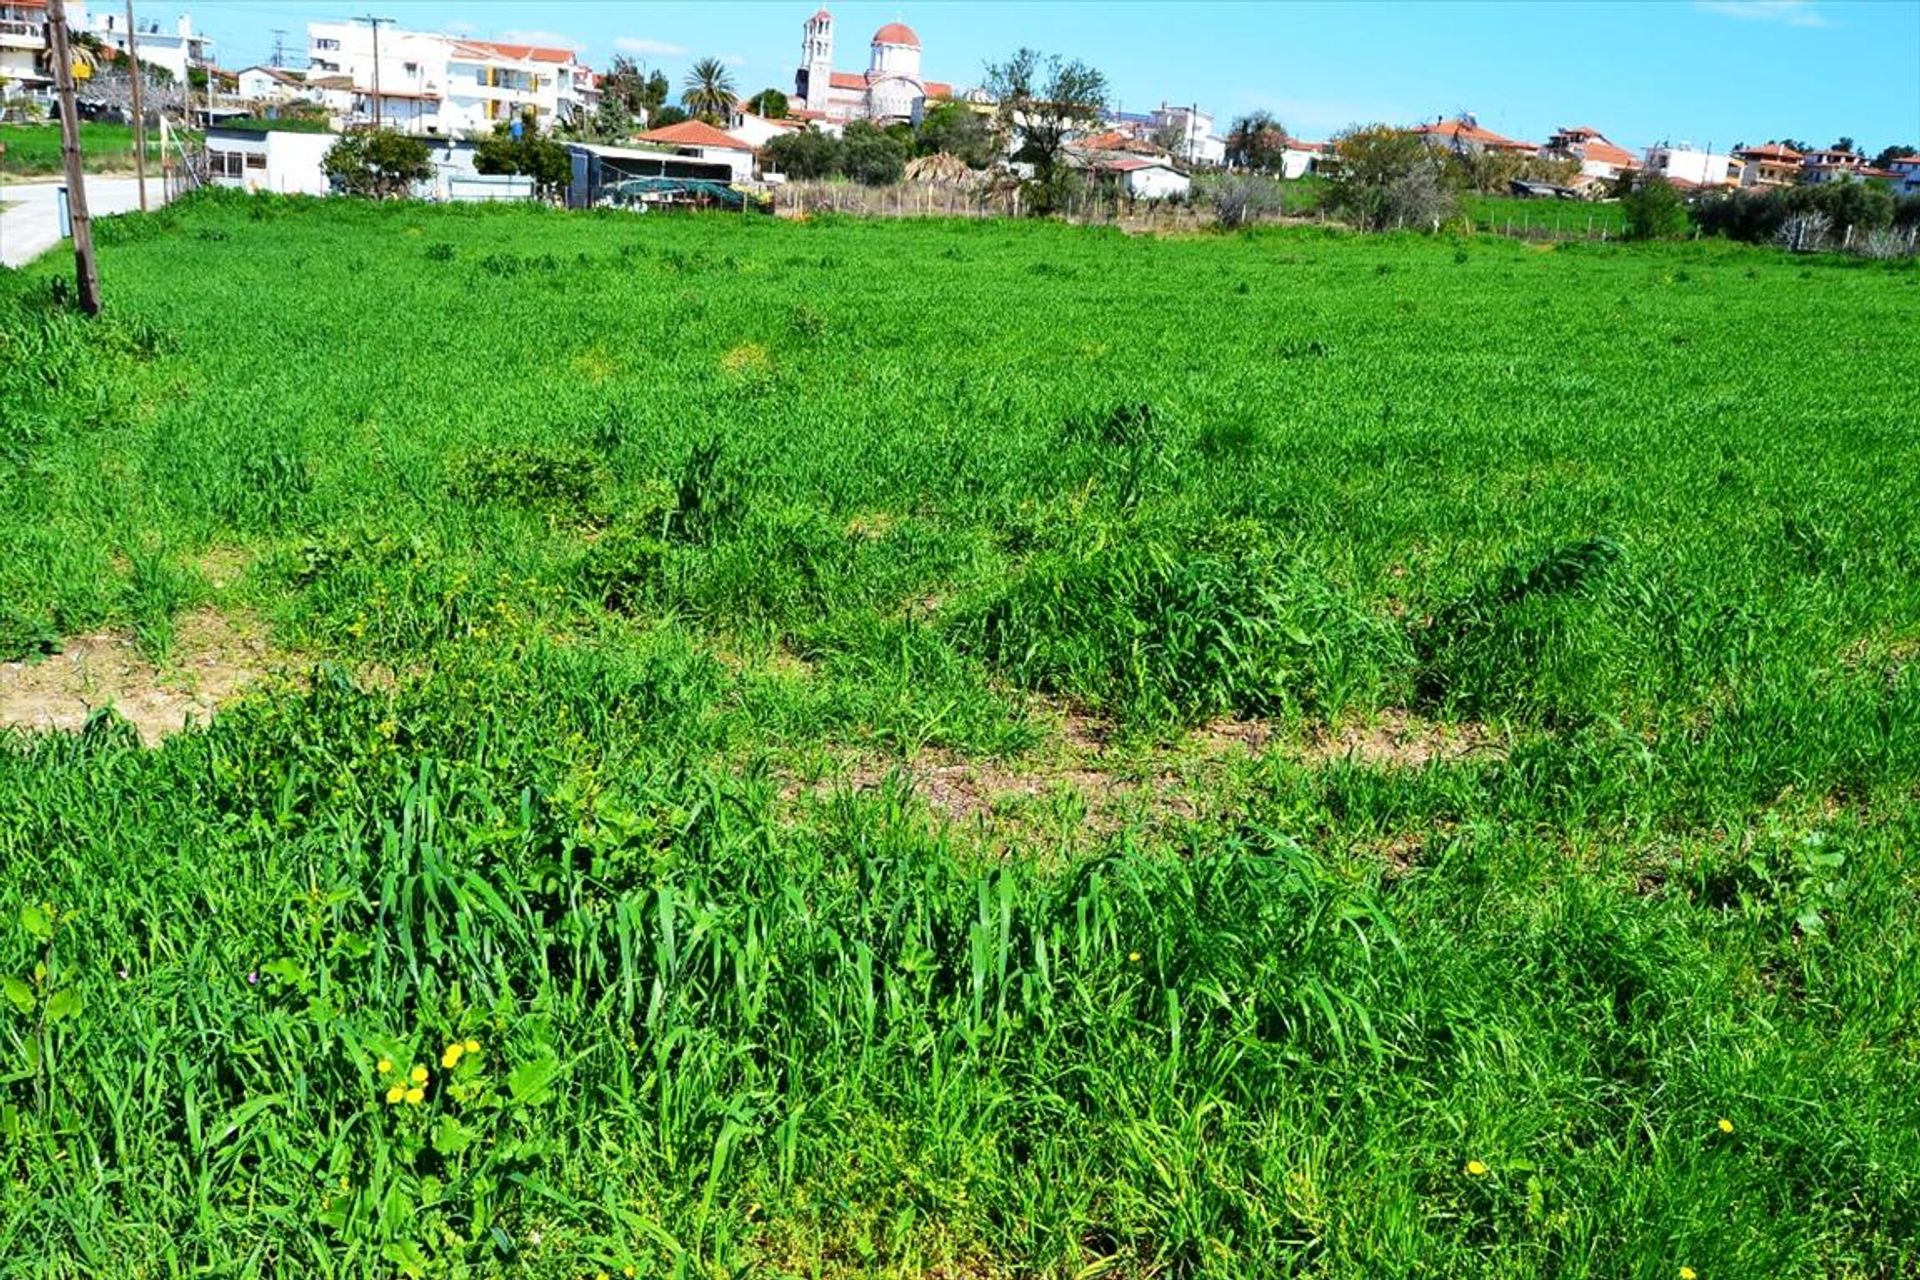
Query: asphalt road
point(30, 218)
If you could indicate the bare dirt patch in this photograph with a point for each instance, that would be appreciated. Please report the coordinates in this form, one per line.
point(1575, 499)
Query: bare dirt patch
point(214, 657)
point(1397, 739)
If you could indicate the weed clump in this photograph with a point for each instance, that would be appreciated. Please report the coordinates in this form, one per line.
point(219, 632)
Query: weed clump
point(1163, 632)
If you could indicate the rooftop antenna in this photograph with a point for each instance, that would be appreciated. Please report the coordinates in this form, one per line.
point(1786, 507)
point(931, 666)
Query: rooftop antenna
point(279, 47)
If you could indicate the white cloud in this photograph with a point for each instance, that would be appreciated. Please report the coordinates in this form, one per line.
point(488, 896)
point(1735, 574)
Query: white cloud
point(1792, 13)
point(734, 60)
point(649, 48)
point(550, 38)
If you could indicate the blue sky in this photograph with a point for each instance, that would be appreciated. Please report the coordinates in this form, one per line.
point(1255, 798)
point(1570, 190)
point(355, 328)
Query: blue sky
point(1706, 71)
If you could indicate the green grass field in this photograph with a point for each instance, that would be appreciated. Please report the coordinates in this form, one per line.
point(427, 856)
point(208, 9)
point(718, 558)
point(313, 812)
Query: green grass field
point(960, 750)
point(33, 150)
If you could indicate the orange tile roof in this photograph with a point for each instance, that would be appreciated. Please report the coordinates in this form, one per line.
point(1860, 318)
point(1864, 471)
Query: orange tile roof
point(1768, 151)
point(896, 33)
point(695, 133)
point(517, 52)
point(1459, 131)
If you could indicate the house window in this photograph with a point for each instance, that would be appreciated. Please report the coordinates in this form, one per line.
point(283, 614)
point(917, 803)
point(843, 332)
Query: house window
point(321, 64)
point(326, 44)
point(226, 164)
point(256, 159)
point(413, 68)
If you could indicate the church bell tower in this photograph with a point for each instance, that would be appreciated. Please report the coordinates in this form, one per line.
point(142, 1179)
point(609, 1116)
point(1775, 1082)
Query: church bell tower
point(816, 54)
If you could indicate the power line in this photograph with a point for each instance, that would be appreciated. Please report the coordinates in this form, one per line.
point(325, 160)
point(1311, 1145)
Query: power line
point(279, 46)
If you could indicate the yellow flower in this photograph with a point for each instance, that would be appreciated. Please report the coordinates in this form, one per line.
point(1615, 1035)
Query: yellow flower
point(416, 1096)
point(383, 1066)
point(628, 1271)
point(1475, 1169)
point(471, 1046)
point(1726, 1125)
point(451, 1058)
point(418, 1075)
point(1133, 957)
point(1688, 1273)
point(395, 1094)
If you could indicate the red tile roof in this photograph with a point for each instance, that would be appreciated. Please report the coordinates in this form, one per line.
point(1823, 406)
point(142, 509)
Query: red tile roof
point(848, 80)
point(937, 88)
point(896, 33)
point(517, 52)
point(1769, 151)
point(1129, 164)
point(1460, 131)
point(695, 133)
point(1601, 151)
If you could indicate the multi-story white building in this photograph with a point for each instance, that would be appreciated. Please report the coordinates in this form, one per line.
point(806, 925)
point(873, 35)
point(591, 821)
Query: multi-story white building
point(1195, 127)
point(433, 84)
point(1906, 171)
point(1831, 165)
point(176, 48)
point(23, 40)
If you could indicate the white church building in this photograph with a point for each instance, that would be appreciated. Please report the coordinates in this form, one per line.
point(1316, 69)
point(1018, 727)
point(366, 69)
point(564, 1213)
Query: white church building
point(890, 89)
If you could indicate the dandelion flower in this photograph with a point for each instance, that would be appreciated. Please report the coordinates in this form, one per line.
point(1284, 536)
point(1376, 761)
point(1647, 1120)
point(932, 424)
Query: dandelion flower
point(1726, 1125)
point(395, 1094)
point(628, 1271)
point(1133, 957)
point(1688, 1273)
point(471, 1046)
point(416, 1096)
point(418, 1075)
point(451, 1058)
point(1475, 1169)
point(383, 1066)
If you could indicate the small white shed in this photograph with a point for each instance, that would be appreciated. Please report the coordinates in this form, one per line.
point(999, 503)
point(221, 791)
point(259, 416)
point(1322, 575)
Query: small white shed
point(1149, 177)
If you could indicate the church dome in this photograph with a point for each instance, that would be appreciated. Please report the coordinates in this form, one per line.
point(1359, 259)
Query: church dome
point(897, 33)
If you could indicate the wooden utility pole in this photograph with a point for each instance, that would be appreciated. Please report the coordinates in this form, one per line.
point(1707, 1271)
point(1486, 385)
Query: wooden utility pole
point(139, 116)
point(374, 22)
point(85, 269)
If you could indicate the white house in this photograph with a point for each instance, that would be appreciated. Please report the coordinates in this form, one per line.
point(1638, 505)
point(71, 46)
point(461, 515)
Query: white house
point(702, 141)
point(757, 131)
point(1906, 171)
point(434, 84)
point(23, 34)
point(1830, 165)
point(1147, 177)
point(175, 49)
point(269, 84)
point(1690, 166)
point(1197, 144)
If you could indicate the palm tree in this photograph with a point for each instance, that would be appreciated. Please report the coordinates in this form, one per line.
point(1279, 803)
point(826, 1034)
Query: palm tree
point(709, 90)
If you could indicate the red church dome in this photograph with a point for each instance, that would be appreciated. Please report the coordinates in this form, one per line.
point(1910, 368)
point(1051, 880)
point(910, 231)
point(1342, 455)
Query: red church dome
point(897, 33)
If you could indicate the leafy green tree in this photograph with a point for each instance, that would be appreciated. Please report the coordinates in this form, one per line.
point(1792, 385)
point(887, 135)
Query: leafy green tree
point(667, 115)
point(1044, 101)
point(960, 132)
point(538, 157)
point(804, 154)
point(770, 103)
point(872, 156)
point(708, 92)
point(1855, 207)
point(1257, 141)
point(1388, 178)
point(1843, 143)
point(377, 163)
point(1654, 211)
